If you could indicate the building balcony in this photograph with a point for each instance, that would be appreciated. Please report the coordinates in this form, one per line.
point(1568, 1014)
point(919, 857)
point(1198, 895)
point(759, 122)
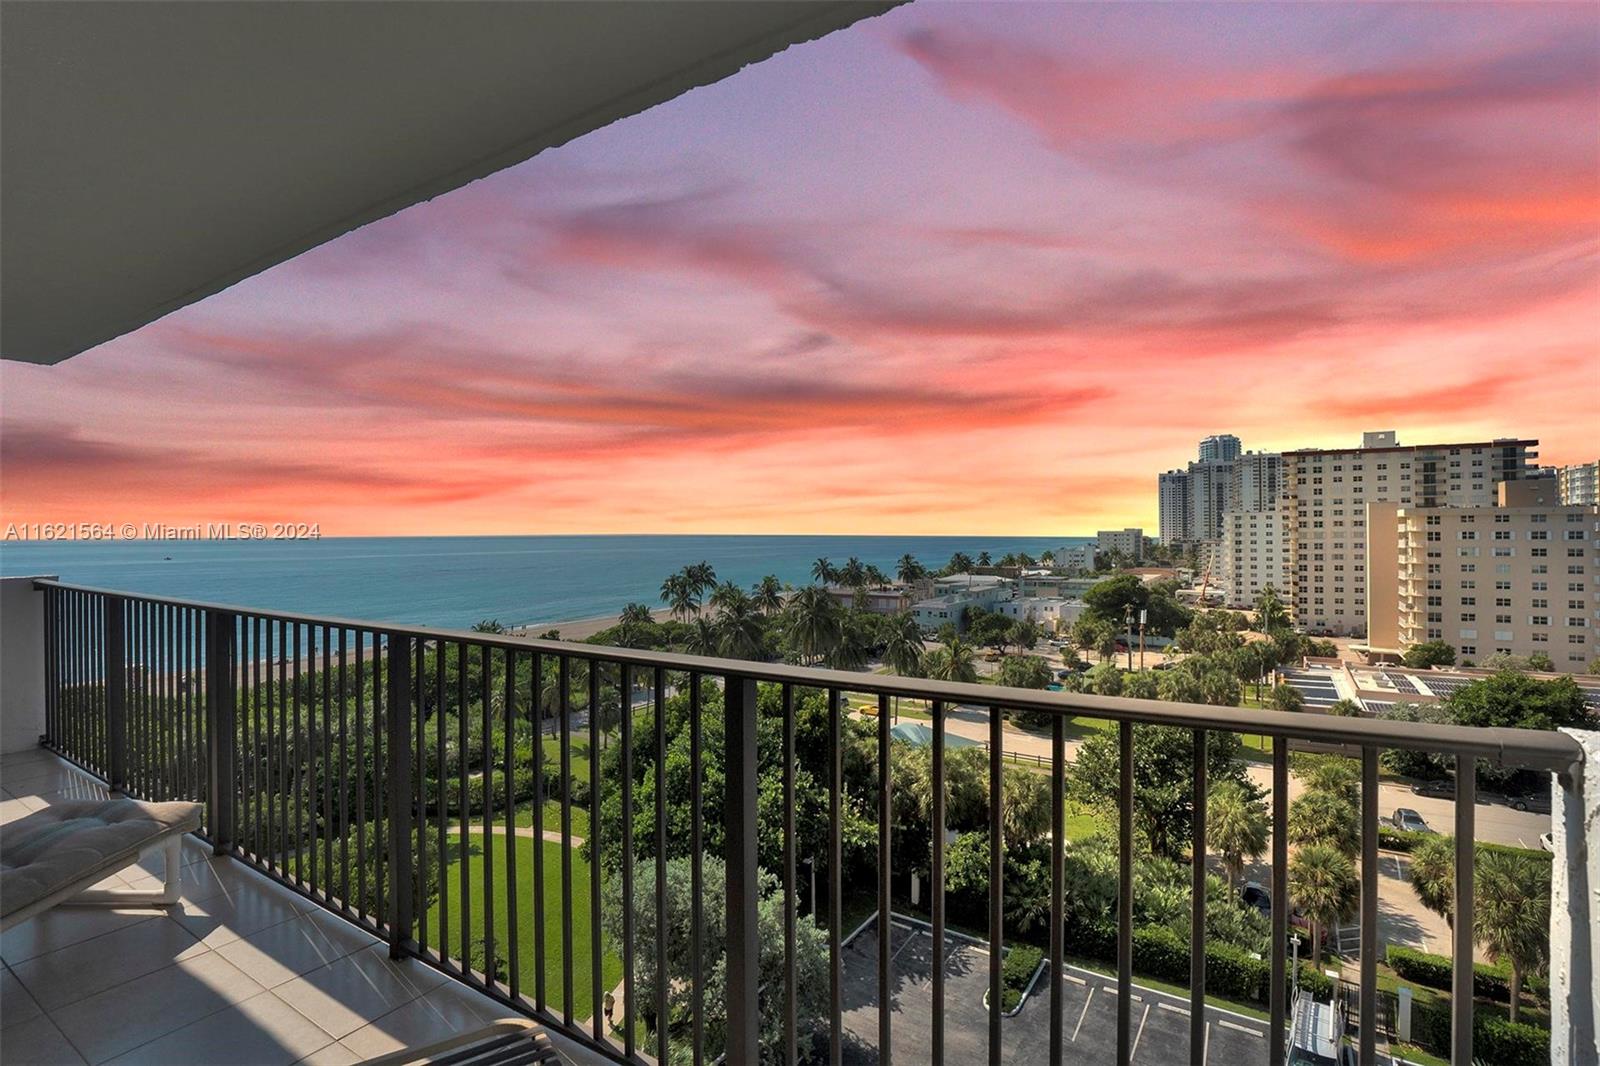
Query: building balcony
point(370, 873)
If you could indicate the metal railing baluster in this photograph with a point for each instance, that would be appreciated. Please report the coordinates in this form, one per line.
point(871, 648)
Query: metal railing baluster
point(625, 827)
point(1461, 974)
point(1277, 994)
point(1058, 829)
point(835, 878)
point(1368, 1016)
point(936, 889)
point(663, 973)
point(1125, 891)
point(1197, 905)
point(791, 1046)
point(996, 881)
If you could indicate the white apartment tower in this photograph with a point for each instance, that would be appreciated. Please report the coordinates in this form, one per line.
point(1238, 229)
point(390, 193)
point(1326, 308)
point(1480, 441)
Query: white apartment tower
point(1579, 484)
point(1326, 496)
point(1253, 556)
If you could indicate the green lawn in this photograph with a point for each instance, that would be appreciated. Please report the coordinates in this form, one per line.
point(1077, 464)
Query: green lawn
point(555, 962)
point(552, 818)
point(580, 756)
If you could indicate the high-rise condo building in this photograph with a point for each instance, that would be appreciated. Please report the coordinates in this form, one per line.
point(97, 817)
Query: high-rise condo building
point(1579, 484)
point(1222, 446)
point(1257, 482)
point(1326, 496)
point(1173, 498)
point(1518, 577)
point(1253, 555)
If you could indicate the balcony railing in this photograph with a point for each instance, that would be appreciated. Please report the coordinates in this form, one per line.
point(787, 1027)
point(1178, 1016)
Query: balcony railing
point(323, 750)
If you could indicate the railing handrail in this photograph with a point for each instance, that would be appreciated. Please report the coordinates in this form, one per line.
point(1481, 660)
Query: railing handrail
point(1527, 748)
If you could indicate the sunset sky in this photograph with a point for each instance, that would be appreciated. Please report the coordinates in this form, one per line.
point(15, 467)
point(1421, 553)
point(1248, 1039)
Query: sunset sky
point(959, 269)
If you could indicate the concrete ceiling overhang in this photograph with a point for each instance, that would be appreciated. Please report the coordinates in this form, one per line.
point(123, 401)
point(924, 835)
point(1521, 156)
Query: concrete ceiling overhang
point(154, 153)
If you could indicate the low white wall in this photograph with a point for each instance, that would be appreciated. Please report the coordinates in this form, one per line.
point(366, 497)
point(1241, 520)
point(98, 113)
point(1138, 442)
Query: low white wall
point(21, 664)
point(1575, 911)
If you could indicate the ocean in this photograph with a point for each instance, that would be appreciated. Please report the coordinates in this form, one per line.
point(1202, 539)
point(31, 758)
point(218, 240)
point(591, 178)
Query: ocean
point(457, 581)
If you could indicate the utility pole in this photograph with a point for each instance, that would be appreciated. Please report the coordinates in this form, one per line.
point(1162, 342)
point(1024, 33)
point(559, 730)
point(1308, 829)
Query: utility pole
point(1143, 615)
point(1128, 618)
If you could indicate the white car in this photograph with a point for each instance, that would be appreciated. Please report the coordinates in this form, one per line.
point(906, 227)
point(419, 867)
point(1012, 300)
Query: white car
point(1547, 841)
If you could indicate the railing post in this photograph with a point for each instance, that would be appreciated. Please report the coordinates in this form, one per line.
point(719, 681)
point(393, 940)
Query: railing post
point(116, 675)
point(744, 968)
point(397, 710)
point(220, 738)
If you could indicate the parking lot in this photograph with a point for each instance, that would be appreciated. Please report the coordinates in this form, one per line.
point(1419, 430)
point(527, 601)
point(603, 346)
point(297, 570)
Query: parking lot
point(1089, 1029)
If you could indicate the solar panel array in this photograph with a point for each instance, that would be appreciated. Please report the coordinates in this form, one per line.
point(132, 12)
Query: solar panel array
point(1401, 682)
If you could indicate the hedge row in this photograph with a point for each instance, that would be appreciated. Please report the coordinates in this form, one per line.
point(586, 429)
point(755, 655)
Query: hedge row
point(1493, 982)
point(1399, 839)
point(1495, 1041)
point(1161, 953)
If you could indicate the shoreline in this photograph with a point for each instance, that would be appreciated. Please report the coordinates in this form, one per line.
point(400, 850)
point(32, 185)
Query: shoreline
point(582, 628)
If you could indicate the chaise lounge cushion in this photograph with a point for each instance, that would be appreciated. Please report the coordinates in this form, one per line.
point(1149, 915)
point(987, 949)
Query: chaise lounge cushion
point(81, 841)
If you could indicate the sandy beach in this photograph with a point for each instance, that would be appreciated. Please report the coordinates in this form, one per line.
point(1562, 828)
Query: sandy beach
point(583, 628)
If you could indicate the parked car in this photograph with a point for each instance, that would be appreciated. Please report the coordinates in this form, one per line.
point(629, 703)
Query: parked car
point(1409, 820)
point(1436, 789)
point(1537, 802)
point(1547, 841)
point(1254, 894)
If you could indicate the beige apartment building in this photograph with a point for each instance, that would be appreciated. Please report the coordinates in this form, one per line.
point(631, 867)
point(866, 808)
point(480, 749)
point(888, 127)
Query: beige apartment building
point(1516, 578)
point(1326, 496)
point(1253, 556)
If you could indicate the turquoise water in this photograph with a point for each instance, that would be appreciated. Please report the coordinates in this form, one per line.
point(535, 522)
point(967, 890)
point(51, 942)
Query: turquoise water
point(456, 581)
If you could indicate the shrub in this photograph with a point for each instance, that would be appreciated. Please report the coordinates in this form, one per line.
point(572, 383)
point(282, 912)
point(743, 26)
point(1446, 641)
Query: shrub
point(1495, 1041)
point(1398, 839)
point(1501, 1043)
point(1319, 984)
point(1016, 970)
point(1433, 971)
point(1092, 940)
point(1160, 953)
point(1236, 974)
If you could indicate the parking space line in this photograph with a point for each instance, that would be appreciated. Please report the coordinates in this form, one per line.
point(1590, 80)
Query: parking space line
point(1112, 989)
point(1142, 1018)
point(1241, 1028)
point(1082, 1016)
point(1074, 980)
point(1205, 1045)
point(907, 942)
point(1176, 1010)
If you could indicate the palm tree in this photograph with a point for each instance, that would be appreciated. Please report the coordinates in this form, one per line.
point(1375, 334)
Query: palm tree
point(876, 578)
point(767, 595)
point(1325, 818)
point(955, 660)
point(1285, 697)
point(1236, 826)
point(1048, 558)
point(725, 594)
point(678, 593)
point(1270, 612)
point(903, 652)
point(1511, 916)
point(1323, 883)
point(739, 631)
point(961, 563)
point(703, 638)
point(854, 574)
point(814, 624)
point(634, 617)
point(908, 570)
point(823, 573)
point(702, 576)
